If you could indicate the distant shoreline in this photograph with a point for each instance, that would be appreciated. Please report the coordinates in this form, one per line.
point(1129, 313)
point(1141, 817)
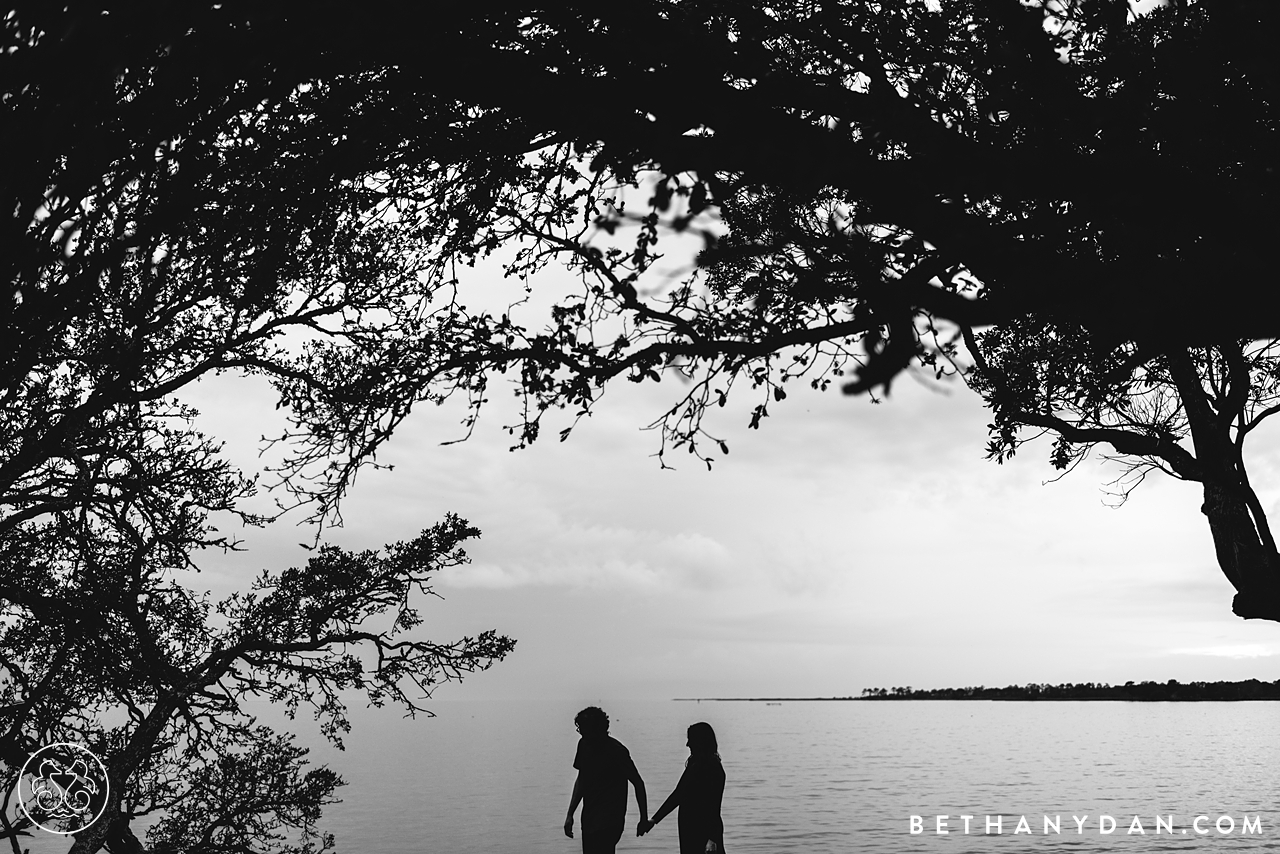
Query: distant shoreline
point(759, 699)
point(977, 699)
point(1171, 691)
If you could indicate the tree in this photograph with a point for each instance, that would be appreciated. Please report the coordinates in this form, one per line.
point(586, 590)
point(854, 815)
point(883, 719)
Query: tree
point(298, 191)
point(97, 626)
point(875, 184)
point(155, 240)
point(1146, 408)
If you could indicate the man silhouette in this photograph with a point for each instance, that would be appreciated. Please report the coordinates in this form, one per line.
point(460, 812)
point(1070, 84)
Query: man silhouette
point(604, 768)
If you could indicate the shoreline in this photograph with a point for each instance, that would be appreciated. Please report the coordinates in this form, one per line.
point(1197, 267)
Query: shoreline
point(975, 699)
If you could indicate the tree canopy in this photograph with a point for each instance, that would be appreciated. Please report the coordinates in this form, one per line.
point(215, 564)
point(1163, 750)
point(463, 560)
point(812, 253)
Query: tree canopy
point(1068, 204)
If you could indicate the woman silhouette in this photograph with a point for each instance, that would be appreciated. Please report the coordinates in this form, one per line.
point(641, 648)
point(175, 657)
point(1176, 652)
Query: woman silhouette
point(698, 795)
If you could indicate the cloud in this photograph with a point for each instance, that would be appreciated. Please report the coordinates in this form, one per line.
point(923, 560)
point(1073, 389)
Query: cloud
point(1248, 650)
point(596, 556)
point(842, 545)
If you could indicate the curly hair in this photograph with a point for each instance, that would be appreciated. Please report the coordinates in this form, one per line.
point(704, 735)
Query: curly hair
point(592, 721)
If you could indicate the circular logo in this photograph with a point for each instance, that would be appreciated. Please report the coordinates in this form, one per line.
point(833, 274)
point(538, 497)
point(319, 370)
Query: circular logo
point(63, 788)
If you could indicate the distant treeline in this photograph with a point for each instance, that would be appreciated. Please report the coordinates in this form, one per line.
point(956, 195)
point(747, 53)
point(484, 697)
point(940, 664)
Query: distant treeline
point(1250, 689)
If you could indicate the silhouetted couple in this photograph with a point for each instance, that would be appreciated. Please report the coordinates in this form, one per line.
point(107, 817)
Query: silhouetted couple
point(604, 768)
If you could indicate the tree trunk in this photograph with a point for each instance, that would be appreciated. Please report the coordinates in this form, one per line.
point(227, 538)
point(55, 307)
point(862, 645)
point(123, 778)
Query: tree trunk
point(119, 769)
point(121, 839)
point(1251, 566)
point(1241, 536)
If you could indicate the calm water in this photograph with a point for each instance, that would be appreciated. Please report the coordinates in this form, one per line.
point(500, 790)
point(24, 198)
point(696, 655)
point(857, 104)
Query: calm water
point(832, 777)
point(823, 777)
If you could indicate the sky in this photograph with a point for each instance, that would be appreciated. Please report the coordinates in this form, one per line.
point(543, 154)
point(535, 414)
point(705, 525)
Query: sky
point(843, 545)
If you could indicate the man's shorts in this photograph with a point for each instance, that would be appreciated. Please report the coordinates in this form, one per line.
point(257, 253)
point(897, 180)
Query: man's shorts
point(601, 840)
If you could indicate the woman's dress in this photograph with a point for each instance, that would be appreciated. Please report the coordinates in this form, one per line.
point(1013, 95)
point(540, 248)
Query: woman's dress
point(698, 795)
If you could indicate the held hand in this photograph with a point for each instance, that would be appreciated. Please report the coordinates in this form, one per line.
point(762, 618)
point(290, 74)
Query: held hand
point(568, 827)
point(644, 827)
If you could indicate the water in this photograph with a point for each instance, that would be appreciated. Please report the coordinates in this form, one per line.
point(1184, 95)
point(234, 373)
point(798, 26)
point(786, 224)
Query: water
point(833, 776)
point(822, 776)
